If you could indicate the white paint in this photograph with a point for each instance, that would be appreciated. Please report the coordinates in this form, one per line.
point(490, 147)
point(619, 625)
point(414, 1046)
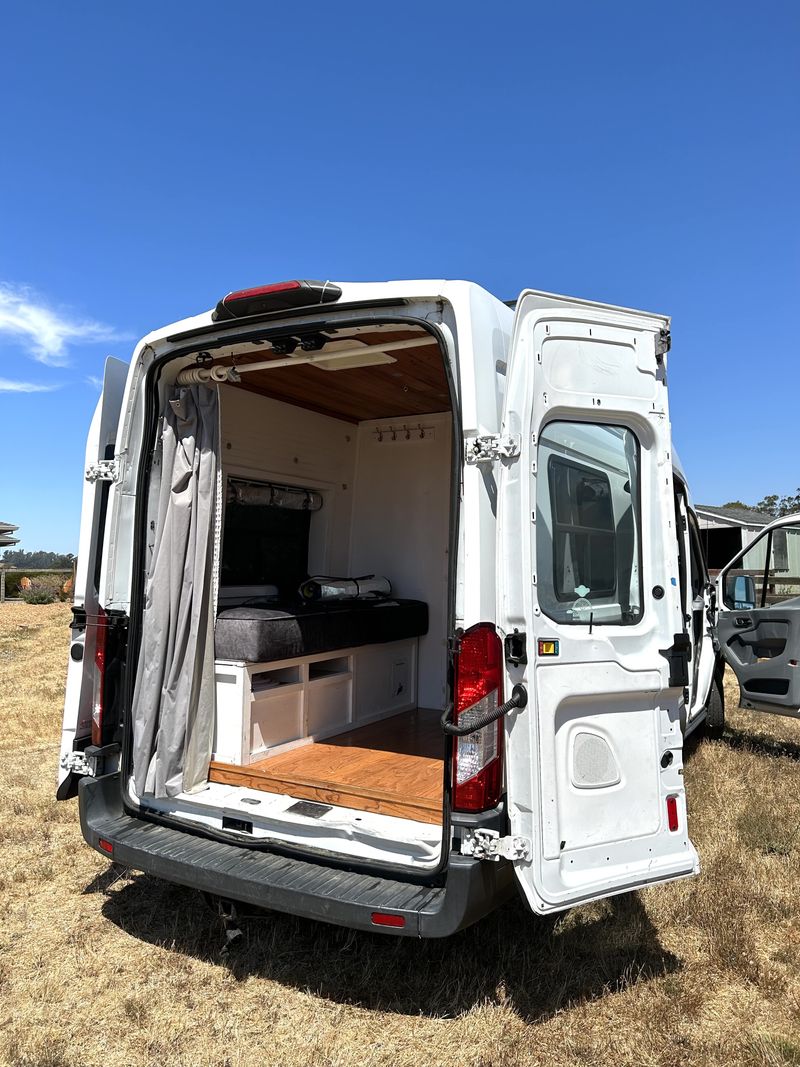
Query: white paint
point(400, 527)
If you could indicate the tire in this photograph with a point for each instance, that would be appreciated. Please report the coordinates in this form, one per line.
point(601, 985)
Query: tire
point(715, 709)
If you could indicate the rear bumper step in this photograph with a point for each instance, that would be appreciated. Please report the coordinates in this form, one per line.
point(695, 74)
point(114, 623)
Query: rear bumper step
point(298, 887)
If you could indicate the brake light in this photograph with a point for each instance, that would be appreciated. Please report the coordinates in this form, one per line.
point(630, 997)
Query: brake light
point(99, 626)
point(672, 814)
point(278, 296)
point(477, 757)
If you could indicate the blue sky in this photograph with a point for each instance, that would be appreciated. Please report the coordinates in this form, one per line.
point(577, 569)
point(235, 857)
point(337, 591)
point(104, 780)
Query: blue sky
point(156, 156)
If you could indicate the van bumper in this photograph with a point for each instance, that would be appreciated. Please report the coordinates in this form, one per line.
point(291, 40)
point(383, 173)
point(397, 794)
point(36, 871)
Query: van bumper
point(281, 883)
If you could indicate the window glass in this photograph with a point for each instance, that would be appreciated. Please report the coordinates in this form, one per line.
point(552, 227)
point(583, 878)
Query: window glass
point(768, 573)
point(588, 526)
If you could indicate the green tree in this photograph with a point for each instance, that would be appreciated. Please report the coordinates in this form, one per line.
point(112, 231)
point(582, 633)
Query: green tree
point(37, 561)
point(778, 506)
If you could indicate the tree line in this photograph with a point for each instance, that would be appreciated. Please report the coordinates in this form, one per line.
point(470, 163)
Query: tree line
point(775, 505)
point(37, 561)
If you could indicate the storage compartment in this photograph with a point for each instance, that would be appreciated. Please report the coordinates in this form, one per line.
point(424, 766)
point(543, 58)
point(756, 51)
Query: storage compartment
point(326, 667)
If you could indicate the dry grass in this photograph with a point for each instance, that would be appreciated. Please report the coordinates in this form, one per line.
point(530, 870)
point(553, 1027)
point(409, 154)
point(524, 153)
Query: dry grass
point(101, 966)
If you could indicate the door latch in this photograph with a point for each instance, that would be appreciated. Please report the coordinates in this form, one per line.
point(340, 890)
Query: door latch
point(485, 844)
point(516, 648)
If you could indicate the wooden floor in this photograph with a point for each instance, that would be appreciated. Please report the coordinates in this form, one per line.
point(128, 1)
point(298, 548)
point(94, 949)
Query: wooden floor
point(393, 767)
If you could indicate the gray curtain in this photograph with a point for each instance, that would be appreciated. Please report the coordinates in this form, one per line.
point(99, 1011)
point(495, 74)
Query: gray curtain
point(174, 697)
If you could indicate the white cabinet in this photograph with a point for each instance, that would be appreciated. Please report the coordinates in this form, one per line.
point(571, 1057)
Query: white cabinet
point(266, 707)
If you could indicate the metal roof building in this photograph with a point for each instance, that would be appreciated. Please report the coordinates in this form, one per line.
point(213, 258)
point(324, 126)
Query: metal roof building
point(726, 531)
point(6, 531)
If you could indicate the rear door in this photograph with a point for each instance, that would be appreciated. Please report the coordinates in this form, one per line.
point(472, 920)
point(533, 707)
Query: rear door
point(87, 616)
point(588, 570)
point(758, 620)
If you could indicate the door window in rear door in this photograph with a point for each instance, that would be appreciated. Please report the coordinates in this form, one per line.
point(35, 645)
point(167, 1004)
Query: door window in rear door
point(587, 523)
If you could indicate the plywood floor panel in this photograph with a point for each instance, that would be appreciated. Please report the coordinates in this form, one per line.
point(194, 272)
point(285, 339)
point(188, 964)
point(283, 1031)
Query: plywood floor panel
point(393, 767)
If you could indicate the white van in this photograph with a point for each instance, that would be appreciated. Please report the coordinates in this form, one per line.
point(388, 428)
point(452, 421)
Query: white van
point(390, 598)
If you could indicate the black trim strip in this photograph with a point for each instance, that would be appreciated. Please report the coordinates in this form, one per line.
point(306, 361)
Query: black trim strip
point(285, 313)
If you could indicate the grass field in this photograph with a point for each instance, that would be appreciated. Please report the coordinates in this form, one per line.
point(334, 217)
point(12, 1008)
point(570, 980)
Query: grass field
point(101, 966)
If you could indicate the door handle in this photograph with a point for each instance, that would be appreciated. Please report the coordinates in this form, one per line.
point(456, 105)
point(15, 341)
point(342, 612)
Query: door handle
point(741, 620)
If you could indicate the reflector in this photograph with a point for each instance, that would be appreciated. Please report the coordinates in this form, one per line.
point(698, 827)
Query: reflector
point(672, 814)
point(385, 918)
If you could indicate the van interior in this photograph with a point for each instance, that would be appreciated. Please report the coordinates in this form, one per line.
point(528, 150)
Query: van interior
point(333, 594)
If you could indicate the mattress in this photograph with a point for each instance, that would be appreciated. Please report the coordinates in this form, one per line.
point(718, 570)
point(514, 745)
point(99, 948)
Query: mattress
point(264, 634)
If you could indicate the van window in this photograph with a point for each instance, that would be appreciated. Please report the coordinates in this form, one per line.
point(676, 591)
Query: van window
point(767, 573)
point(587, 523)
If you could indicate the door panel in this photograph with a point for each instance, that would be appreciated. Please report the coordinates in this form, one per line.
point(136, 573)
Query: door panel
point(758, 624)
point(594, 763)
point(100, 443)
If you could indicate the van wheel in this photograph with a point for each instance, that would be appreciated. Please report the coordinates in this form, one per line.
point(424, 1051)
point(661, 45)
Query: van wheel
point(715, 710)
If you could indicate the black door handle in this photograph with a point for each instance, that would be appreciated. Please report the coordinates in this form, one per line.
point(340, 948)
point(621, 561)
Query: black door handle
point(741, 620)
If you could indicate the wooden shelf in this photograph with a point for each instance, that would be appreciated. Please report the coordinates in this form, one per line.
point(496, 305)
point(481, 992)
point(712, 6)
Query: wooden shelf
point(393, 767)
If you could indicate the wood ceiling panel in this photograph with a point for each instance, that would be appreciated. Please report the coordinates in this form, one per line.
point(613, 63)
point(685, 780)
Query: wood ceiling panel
point(415, 385)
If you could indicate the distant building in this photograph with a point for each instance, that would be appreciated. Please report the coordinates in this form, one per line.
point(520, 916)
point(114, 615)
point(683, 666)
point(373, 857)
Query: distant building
point(726, 531)
point(6, 530)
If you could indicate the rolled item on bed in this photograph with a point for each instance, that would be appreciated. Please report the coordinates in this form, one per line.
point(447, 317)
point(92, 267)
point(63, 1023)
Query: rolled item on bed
point(369, 586)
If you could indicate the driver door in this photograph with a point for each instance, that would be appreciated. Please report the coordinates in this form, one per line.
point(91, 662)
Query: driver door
point(758, 621)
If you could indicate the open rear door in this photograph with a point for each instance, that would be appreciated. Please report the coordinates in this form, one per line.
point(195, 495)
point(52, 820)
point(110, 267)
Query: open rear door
point(588, 571)
point(758, 620)
point(87, 618)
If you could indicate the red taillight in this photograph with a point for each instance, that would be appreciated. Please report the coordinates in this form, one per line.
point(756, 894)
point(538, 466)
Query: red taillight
point(478, 688)
point(106, 846)
point(278, 296)
point(99, 626)
point(672, 814)
point(385, 918)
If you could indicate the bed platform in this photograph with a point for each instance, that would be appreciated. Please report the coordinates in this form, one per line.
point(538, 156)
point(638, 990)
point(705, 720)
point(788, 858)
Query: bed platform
point(393, 767)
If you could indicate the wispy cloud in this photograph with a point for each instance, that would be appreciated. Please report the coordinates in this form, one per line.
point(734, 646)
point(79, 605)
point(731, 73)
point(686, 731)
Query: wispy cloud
point(8, 386)
point(95, 381)
point(47, 332)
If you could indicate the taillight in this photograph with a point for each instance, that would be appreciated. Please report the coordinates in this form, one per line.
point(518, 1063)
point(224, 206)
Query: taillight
point(279, 296)
point(99, 625)
point(478, 688)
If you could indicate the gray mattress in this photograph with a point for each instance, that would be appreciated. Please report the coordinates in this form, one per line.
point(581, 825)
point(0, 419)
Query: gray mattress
point(260, 634)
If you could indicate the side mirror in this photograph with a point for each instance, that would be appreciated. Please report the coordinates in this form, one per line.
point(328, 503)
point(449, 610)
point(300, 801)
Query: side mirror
point(740, 591)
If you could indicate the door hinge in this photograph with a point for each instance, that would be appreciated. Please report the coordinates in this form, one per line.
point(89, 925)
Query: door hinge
point(105, 470)
point(489, 845)
point(492, 446)
point(76, 763)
